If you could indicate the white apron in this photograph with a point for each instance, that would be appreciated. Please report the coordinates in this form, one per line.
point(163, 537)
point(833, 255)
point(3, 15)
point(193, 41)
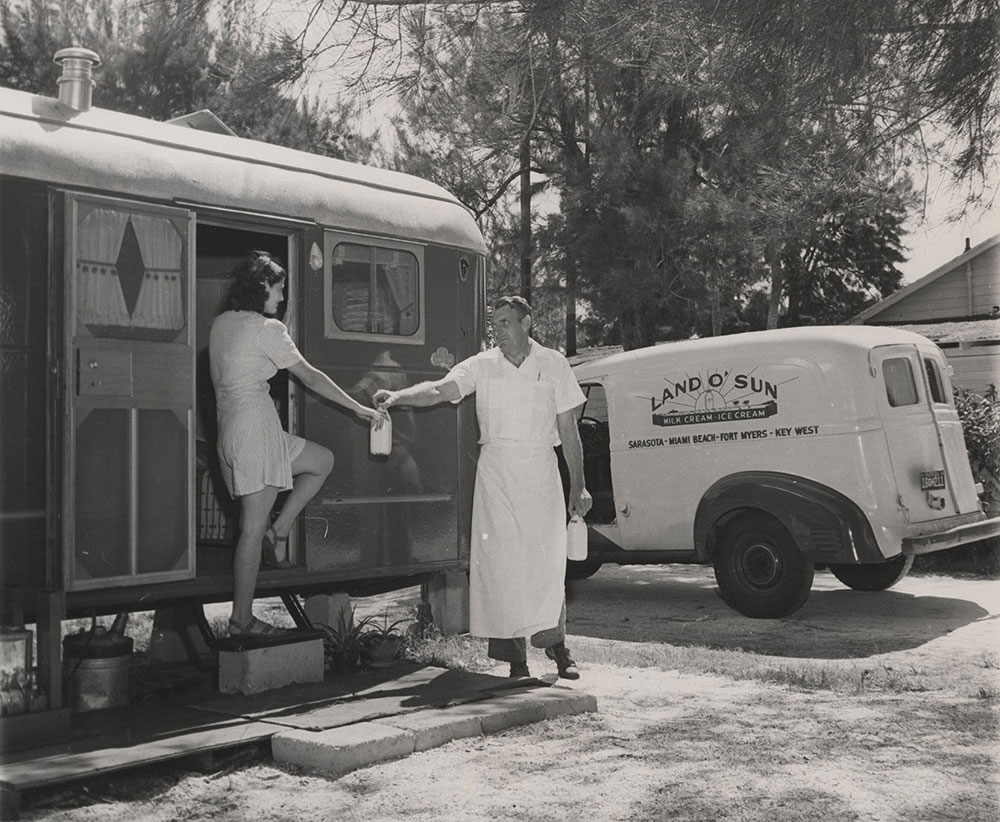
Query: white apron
point(518, 546)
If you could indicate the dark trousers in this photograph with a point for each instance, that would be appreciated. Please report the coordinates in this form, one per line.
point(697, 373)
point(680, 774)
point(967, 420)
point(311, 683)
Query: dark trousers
point(515, 649)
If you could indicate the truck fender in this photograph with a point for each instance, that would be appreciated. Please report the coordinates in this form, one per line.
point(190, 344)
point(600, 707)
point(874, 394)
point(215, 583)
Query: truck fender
point(826, 525)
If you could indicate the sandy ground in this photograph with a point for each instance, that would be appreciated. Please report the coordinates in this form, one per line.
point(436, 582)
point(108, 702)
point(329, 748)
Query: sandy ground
point(678, 746)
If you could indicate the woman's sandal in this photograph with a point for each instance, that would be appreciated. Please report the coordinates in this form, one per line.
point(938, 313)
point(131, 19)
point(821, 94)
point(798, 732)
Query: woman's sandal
point(269, 553)
point(255, 627)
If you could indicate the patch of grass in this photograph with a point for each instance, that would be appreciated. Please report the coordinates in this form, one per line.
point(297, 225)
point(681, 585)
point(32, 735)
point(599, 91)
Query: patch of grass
point(849, 677)
point(456, 652)
point(988, 692)
point(845, 676)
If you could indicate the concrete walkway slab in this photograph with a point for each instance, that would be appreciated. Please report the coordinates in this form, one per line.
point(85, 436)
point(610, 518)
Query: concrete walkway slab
point(347, 748)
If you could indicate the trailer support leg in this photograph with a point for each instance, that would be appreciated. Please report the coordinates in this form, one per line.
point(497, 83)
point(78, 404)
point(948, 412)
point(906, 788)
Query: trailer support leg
point(50, 614)
point(10, 803)
point(447, 595)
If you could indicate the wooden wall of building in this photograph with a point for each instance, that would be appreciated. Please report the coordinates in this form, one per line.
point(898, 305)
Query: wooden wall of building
point(971, 290)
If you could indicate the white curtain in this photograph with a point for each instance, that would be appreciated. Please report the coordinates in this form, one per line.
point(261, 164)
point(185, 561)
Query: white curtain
point(401, 274)
point(161, 296)
point(99, 239)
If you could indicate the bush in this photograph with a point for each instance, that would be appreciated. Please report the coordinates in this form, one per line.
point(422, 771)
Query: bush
point(980, 417)
point(981, 559)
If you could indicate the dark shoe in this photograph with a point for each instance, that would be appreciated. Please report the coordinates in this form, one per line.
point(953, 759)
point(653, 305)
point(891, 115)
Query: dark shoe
point(519, 670)
point(269, 553)
point(560, 655)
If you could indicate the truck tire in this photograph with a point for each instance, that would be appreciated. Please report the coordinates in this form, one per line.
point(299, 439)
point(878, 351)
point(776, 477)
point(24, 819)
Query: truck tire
point(873, 577)
point(760, 571)
point(583, 568)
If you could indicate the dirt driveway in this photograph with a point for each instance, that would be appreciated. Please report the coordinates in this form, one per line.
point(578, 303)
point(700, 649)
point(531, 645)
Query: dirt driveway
point(703, 715)
point(924, 617)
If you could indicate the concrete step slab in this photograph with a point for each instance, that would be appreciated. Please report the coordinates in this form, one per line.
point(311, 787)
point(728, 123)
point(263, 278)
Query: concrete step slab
point(347, 748)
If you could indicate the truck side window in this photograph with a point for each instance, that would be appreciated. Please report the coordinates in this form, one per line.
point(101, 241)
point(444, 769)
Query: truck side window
point(934, 381)
point(596, 406)
point(900, 387)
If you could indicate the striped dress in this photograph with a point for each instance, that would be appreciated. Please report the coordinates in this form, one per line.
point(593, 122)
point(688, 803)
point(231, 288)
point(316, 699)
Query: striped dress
point(245, 350)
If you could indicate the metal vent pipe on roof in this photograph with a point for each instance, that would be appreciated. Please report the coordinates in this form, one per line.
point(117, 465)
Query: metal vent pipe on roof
point(76, 82)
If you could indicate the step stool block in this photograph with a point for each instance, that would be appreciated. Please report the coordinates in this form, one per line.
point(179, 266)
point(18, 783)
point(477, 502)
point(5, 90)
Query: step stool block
point(254, 670)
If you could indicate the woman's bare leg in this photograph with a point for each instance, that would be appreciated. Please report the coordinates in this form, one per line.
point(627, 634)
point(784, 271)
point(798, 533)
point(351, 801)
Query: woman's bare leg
point(255, 512)
point(310, 470)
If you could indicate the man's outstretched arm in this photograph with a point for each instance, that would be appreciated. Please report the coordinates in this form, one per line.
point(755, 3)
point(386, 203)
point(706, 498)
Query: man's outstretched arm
point(420, 395)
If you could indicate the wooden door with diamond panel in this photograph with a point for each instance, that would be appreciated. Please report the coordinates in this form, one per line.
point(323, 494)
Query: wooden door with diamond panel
point(129, 357)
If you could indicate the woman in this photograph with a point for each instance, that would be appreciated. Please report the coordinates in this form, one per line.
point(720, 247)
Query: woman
point(258, 459)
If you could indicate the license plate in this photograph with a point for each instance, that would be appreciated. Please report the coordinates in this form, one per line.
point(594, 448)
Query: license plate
point(931, 480)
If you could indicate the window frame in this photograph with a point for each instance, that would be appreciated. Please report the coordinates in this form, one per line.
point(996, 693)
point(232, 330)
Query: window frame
point(331, 331)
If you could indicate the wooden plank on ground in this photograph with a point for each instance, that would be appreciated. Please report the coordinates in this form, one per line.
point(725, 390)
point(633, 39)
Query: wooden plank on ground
point(67, 765)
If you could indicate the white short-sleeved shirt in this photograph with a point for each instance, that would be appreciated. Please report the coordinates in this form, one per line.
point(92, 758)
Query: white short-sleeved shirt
point(519, 403)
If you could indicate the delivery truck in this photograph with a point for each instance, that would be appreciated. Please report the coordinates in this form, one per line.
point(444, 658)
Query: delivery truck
point(767, 453)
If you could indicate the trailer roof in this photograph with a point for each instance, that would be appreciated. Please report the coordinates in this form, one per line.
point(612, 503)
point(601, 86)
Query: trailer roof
point(788, 343)
point(126, 155)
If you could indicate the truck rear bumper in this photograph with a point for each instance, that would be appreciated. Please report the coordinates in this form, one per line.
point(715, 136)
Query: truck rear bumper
point(960, 535)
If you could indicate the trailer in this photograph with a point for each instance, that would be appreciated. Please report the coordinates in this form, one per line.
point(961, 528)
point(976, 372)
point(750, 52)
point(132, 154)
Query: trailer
point(117, 238)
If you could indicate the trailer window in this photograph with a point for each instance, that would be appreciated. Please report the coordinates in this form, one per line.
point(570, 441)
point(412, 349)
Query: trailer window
point(934, 381)
point(900, 387)
point(375, 290)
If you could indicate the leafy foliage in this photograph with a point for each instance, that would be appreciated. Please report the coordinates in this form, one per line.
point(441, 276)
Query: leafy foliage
point(718, 165)
point(165, 59)
point(980, 417)
point(344, 640)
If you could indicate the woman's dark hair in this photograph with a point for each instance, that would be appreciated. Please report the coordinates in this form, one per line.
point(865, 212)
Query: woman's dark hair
point(251, 278)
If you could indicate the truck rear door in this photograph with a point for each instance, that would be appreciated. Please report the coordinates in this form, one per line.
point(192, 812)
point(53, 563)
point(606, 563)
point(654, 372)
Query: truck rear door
point(924, 434)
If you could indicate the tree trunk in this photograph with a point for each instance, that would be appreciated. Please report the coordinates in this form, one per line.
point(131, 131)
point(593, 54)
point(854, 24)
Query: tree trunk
point(526, 217)
point(773, 257)
point(714, 302)
point(571, 308)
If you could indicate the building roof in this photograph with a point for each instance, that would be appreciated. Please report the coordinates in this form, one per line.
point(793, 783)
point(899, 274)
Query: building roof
point(965, 331)
point(927, 279)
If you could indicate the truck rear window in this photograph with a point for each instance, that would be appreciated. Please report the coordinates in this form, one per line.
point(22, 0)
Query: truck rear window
point(934, 381)
point(900, 387)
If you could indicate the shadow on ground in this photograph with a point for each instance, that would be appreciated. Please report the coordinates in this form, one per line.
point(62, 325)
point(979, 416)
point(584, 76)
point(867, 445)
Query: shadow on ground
point(680, 605)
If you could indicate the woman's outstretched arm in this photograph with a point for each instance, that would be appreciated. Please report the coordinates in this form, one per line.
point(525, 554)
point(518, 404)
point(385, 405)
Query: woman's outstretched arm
point(319, 383)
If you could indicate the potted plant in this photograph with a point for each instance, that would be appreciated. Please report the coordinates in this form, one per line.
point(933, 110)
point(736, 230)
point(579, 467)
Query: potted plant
point(381, 641)
point(343, 641)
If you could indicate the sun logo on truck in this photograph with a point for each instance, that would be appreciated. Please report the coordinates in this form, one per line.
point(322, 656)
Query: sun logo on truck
point(714, 396)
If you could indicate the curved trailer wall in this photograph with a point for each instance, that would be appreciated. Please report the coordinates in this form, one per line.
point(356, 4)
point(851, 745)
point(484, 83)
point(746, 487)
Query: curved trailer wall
point(116, 238)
